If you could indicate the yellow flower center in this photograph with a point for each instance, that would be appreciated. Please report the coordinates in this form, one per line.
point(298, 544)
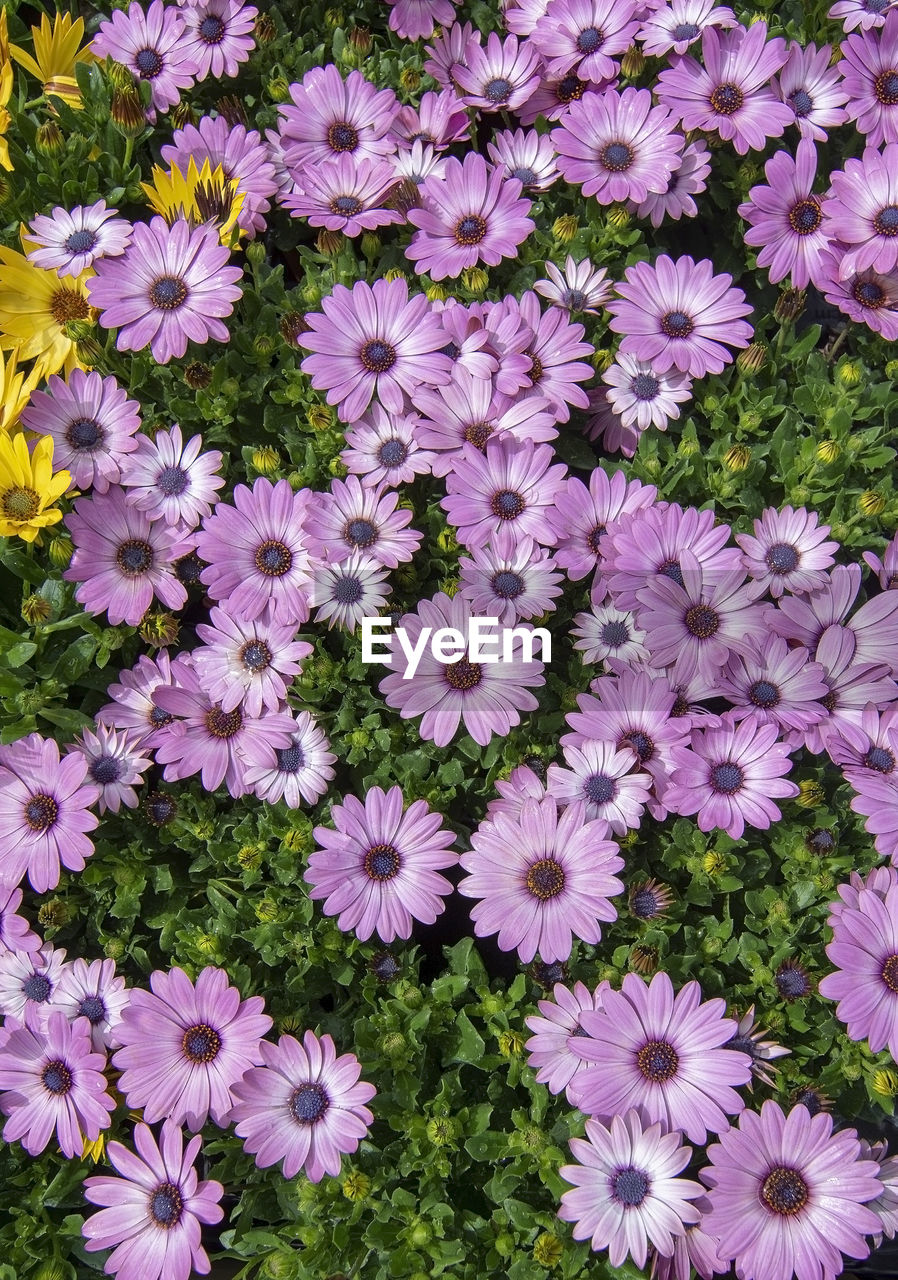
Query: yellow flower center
point(20, 503)
point(68, 304)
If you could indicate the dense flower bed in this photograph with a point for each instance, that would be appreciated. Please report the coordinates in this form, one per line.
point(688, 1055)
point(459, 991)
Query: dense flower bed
point(330, 943)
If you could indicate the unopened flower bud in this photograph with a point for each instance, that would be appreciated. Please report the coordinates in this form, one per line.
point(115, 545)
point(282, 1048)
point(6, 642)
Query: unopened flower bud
point(49, 139)
point(329, 242)
point(810, 794)
point(436, 293)
point(293, 326)
point(565, 228)
point(36, 609)
point(547, 1250)
point(61, 550)
point(828, 450)
point(264, 29)
point(633, 62)
point(127, 111)
point(475, 279)
point(737, 458)
point(255, 252)
point(753, 358)
point(266, 460)
point(789, 305)
point(278, 89)
point(849, 373)
point(871, 503)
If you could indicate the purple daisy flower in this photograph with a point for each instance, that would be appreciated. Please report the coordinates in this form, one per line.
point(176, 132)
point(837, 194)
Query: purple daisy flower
point(582, 287)
point(258, 552)
point(788, 1196)
point(786, 219)
point(664, 1054)
point(789, 551)
point(172, 284)
point(869, 68)
point(173, 481)
point(542, 879)
point(448, 52)
point(870, 747)
point(877, 799)
point(643, 398)
point(730, 776)
point(380, 869)
point(474, 213)
point(864, 950)
point(93, 425)
point(417, 164)
point(346, 195)
point(582, 515)
point(93, 991)
point(470, 411)
point(155, 1208)
point(731, 94)
point(601, 775)
point(554, 350)
point(486, 697)
point(687, 180)
point(617, 146)
point(851, 684)
point(607, 632)
point(512, 485)
point(330, 116)
point(527, 156)
point(247, 664)
point(470, 345)
point(355, 517)
point(626, 1190)
point(151, 45)
point(216, 743)
point(865, 14)
point(873, 627)
point(695, 1250)
point(15, 933)
point(583, 36)
point(866, 297)
point(28, 982)
point(218, 35)
point(70, 239)
point(243, 156)
point(347, 592)
point(416, 19)
point(509, 578)
point(438, 120)
point(520, 785)
point(387, 448)
point(552, 1049)
point(886, 569)
point(679, 313)
point(132, 707)
point(498, 76)
point(605, 428)
point(812, 87)
point(115, 762)
point(305, 1108)
point(862, 211)
point(773, 684)
point(123, 558)
point(374, 340)
point(184, 1046)
point(52, 1082)
point(671, 28)
point(301, 771)
point(44, 816)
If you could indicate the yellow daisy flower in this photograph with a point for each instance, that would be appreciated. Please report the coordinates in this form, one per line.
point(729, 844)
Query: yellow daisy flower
point(15, 389)
point(35, 306)
point(5, 90)
point(200, 195)
point(56, 52)
point(28, 487)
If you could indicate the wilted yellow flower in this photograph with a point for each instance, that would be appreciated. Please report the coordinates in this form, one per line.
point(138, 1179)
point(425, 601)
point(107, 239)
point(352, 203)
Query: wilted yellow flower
point(28, 487)
point(94, 1149)
point(56, 52)
point(199, 196)
point(35, 308)
point(15, 389)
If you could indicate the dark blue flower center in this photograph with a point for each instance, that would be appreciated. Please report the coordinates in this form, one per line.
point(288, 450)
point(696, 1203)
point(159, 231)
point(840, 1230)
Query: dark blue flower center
point(574, 299)
point(820, 841)
point(273, 558)
point(805, 217)
point(360, 532)
point(640, 742)
point(886, 221)
point(382, 862)
point(802, 103)
point(685, 31)
point(255, 655)
point(37, 987)
point(701, 621)
point(614, 634)
point(676, 324)
point(308, 1103)
point(166, 1205)
point(81, 241)
point(105, 770)
point(148, 63)
point(671, 569)
point(658, 1061)
point(645, 904)
point(727, 778)
point(348, 591)
point(377, 356)
point(392, 453)
point(784, 1191)
point(764, 694)
point(342, 136)
point(782, 558)
point(630, 1186)
point(470, 230)
point(56, 1078)
point(84, 433)
point(452, 350)
point(599, 788)
point(791, 982)
point(346, 206)
point(497, 90)
point(385, 966)
point(212, 30)
point(868, 293)
point(545, 879)
point(290, 759)
point(880, 759)
point(645, 387)
point(93, 1008)
point(876, 6)
point(158, 718)
point(507, 584)
point(885, 86)
point(168, 293)
point(592, 538)
point(173, 481)
point(224, 724)
point(524, 175)
point(134, 557)
point(463, 675)
point(200, 1043)
point(41, 812)
point(617, 156)
point(889, 973)
point(507, 504)
point(726, 99)
point(590, 39)
point(570, 89)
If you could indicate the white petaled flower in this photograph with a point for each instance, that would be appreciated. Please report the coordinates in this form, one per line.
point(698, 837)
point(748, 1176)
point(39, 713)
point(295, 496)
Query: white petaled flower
point(641, 396)
point(608, 632)
point(527, 156)
point(302, 771)
point(603, 776)
point(115, 763)
point(69, 240)
point(582, 287)
point(346, 593)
